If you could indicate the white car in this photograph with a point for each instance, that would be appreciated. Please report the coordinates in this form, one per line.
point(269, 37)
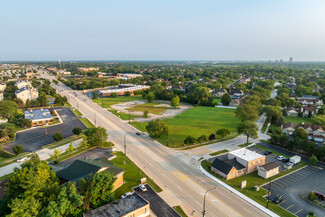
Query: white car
point(126, 194)
point(281, 158)
point(142, 187)
point(21, 159)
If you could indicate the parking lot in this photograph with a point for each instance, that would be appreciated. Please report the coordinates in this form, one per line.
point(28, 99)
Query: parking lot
point(293, 185)
point(34, 139)
point(157, 205)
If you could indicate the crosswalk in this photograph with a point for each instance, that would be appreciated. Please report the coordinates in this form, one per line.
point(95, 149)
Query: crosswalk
point(180, 176)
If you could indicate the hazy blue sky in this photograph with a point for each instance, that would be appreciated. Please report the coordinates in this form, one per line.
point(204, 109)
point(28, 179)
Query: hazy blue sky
point(162, 30)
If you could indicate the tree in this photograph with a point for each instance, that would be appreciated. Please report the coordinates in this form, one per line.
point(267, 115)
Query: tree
point(18, 149)
point(273, 114)
point(113, 95)
point(156, 128)
point(27, 207)
point(77, 131)
point(145, 114)
point(189, 140)
point(8, 108)
point(212, 137)
point(300, 133)
point(223, 132)
point(248, 128)
point(202, 96)
point(319, 119)
point(311, 196)
point(313, 160)
point(127, 93)
point(174, 102)
point(247, 112)
point(225, 99)
point(57, 136)
point(70, 148)
point(42, 99)
point(95, 95)
point(96, 136)
point(59, 100)
point(56, 154)
point(201, 139)
point(97, 190)
point(150, 96)
point(26, 123)
point(281, 121)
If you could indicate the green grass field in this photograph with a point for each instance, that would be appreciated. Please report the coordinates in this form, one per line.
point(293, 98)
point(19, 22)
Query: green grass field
point(196, 121)
point(76, 112)
point(252, 180)
point(180, 211)
point(150, 107)
point(132, 175)
point(5, 156)
point(107, 102)
point(87, 123)
point(297, 120)
point(123, 116)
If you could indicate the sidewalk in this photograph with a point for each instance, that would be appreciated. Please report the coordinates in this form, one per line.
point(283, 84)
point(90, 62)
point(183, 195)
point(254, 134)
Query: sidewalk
point(244, 197)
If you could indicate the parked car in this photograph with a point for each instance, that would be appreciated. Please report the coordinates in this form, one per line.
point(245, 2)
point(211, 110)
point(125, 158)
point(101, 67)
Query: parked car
point(285, 160)
point(21, 159)
point(281, 158)
point(277, 199)
point(289, 163)
point(139, 134)
point(267, 152)
point(142, 187)
point(320, 196)
point(126, 194)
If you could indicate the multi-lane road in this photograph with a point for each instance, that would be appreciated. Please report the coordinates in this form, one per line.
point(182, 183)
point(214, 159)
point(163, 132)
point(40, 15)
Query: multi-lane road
point(176, 172)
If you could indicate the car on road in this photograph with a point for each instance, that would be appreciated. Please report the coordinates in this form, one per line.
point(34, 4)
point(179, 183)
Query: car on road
point(21, 159)
point(277, 199)
point(142, 187)
point(139, 134)
point(267, 152)
point(126, 195)
point(281, 158)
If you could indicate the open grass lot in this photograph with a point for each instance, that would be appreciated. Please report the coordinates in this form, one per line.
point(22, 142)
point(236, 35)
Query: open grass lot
point(196, 121)
point(252, 180)
point(87, 123)
point(150, 107)
point(123, 116)
point(5, 156)
point(107, 102)
point(132, 175)
point(297, 120)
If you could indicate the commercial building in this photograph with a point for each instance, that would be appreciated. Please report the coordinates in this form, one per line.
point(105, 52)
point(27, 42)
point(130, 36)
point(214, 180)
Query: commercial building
point(84, 69)
point(268, 170)
point(26, 93)
point(128, 76)
point(122, 88)
point(131, 206)
point(238, 163)
point(87, 168)
point(39, 117)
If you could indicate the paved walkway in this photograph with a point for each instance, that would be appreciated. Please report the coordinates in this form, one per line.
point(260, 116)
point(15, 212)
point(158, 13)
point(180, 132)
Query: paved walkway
point(44, 154)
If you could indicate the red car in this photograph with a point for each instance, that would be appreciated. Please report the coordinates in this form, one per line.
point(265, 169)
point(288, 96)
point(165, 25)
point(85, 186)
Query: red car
point(319, 195)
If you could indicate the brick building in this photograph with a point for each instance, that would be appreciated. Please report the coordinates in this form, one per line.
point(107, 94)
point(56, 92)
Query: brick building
point(122, 88)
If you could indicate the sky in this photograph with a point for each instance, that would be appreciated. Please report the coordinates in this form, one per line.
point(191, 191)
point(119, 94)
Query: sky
point(247, 30)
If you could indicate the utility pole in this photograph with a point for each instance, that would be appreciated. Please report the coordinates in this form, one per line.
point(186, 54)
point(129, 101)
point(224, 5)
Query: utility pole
point(268, 196)
point(125, 144)
point(129, 117)
point(167, 138)
point(95, 119)
point(102, 102)
point(204, 211)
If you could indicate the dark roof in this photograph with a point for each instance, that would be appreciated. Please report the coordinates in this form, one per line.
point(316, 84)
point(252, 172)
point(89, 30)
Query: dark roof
point(289, 124)
point(83, 168)
point(312, 126)
point(221, 90)
point(119, 208)
point(233, 91)
point(270, 166)
point(313, 109)
point(226, 165)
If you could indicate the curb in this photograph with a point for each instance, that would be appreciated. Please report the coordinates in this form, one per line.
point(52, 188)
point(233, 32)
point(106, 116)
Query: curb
point(239, 194)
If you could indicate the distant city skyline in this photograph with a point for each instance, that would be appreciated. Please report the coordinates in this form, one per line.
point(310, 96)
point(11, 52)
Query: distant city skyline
point(168, 30)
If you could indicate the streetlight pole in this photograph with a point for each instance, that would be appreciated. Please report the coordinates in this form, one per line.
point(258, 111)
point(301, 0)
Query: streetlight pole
point(204, 211)
point(167, 138)
point(268, 196)
point(95, 119)
point(125, 144)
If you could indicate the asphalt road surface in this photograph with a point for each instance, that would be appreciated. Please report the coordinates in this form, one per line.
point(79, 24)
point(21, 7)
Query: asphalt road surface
point(34, 139)
point(177, 174)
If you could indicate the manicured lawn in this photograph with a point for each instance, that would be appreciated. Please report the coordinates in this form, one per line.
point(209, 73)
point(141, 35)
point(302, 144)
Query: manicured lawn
point(217, 100)
point(5, 156)
point(132, 175)
point(76, 112)
point(196, 121)
point(219, 152)
point(297, 120)
point(153, 108)
point(107, 102)
point(180, 211)
point(252, 180)
point(87, 123)
point(121, 115)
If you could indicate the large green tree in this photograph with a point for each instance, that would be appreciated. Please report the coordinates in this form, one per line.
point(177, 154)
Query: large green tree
point(27, 207)
point(249, 129)
point(223, 132)
point(156, 128)
point(247, 112)
point(97, 136)
point(225, 99)
point(8, 108)
point(174, 102)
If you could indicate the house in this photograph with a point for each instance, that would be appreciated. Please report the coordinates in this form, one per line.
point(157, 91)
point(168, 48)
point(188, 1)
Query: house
point(86, 168)
point(310, 100)
point(131, 206)
point(268, 170)
point(236, 93)
point(309, 110)
point(315, 132)
point(238, 162)
point(23, 83)
point(235, 102)
point(39, 117)
point(2, 86)
point(26, 93)
point(292, 112)
point(219, 92)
